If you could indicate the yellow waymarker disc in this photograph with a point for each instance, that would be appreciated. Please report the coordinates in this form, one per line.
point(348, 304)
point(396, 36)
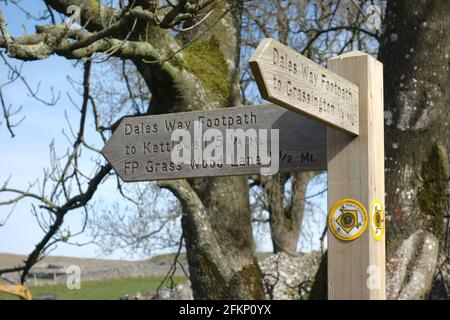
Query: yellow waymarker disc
point(377, 219)
point(347, 219)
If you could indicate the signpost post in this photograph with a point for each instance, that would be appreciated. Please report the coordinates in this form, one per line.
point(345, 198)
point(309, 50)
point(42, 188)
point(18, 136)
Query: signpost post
point(356, 269)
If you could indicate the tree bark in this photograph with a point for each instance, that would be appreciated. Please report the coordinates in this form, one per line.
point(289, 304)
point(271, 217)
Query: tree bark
point(416, 59)
point(286, 219)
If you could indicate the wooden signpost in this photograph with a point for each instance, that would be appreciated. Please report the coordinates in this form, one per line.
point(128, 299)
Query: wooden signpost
point(140, 148)
point(347, 97)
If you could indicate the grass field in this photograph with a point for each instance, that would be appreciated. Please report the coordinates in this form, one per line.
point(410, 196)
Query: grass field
point(110, 289)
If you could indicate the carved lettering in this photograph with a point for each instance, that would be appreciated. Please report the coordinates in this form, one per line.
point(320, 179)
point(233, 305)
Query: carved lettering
point(142, 148)
point(291, 80)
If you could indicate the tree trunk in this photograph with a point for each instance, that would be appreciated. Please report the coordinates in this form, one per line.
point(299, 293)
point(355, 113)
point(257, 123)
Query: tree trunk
point(416, 59)
point(216, 218)
point(286, 219)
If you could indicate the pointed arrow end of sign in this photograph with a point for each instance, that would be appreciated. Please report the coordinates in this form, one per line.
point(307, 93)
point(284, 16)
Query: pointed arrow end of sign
point(259, 78)
point(105, 150)
point(260, 50)
point(257, 68)
point(108, 153)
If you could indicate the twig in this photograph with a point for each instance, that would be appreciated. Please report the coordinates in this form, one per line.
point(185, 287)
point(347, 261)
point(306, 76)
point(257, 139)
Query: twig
point(172, 269)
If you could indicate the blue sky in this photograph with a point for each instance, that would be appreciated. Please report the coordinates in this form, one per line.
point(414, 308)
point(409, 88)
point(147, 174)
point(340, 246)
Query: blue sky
point(23, 158)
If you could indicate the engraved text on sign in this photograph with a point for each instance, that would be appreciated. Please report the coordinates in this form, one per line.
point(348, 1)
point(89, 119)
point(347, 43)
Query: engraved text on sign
point(288, 79)
point(141, 147)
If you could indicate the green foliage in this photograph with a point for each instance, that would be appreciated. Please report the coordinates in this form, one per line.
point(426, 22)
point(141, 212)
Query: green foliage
point(207, 62)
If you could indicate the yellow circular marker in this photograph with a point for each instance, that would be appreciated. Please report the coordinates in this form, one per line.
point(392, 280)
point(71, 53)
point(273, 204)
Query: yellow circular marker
point(347, 219)
point(377, 219)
